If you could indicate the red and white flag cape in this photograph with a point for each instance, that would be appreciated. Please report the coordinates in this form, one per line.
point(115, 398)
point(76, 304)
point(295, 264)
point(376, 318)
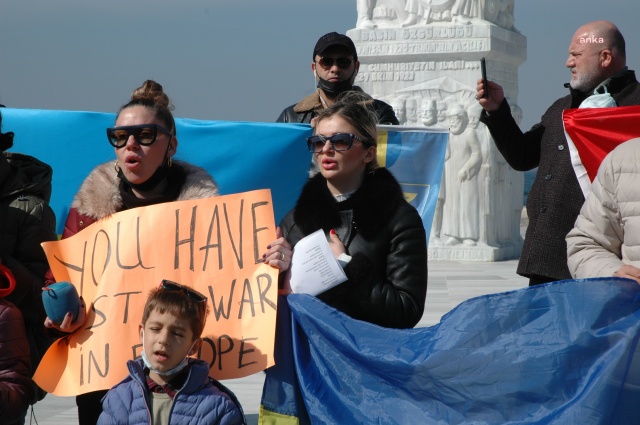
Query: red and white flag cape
point(594, 132)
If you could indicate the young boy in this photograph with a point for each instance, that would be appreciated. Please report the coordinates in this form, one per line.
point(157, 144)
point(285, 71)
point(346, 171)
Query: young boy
point(165, 386)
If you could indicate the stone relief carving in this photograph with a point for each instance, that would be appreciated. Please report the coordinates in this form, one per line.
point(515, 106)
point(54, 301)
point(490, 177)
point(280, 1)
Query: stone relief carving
point(428, 112)
point(398, 105)
point(460, 222)
point(406, 13)
point(477, 190)
point(411, 108)
point(423, 58)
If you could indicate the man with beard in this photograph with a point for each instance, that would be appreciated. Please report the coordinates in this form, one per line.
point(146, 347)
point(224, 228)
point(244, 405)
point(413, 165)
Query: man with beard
point(335, 66)
point(599, 77)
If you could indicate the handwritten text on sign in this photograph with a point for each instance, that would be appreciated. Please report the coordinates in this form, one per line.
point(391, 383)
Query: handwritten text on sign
point(213, 245)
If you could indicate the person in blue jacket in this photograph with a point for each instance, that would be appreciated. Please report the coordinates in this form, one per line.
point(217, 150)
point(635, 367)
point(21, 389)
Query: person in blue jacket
point(165, 385)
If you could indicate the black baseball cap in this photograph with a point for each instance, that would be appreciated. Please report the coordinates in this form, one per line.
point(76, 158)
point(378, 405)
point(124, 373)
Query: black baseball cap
point(334, 39)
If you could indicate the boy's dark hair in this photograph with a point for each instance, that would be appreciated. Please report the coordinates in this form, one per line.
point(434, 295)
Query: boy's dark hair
point(179, 304)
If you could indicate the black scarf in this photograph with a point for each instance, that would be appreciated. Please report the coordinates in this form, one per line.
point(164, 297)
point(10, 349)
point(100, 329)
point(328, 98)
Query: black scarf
point(373, 204)
point(175, 178)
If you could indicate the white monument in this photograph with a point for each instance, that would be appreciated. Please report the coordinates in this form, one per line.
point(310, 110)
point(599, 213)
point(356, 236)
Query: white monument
point(423, 58)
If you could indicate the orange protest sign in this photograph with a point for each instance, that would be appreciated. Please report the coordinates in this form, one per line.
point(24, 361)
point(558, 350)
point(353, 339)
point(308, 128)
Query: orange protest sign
point(213, 245)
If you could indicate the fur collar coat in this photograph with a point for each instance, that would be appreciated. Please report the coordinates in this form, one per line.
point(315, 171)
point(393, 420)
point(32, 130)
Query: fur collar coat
point(99, 196)
point(384, 235)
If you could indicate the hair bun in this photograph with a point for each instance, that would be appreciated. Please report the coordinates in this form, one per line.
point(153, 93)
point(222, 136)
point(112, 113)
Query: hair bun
point(152, 91)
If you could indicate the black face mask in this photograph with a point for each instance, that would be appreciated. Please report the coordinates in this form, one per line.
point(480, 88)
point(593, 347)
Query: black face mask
point(333, 90)
point(159, 175)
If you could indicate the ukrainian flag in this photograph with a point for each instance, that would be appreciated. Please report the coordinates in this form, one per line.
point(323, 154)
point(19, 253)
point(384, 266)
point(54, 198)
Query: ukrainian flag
point(241, 156)
point(558, 353)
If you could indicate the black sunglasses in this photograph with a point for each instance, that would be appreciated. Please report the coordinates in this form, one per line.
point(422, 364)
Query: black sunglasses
point(191, 293)
point(339, 142)
point(343, 63)
point(144, 134)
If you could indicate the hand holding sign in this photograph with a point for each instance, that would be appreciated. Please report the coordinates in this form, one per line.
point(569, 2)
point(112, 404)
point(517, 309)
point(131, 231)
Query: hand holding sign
point(213, 245)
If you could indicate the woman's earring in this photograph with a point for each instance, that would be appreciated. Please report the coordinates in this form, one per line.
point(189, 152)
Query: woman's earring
point(116, 167)
point(169, 162)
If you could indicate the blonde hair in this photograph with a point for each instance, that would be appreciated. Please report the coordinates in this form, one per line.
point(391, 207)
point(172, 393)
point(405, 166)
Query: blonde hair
point(357, 109)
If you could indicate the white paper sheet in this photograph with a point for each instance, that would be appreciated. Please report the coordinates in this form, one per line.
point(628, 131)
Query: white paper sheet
point(314, 269)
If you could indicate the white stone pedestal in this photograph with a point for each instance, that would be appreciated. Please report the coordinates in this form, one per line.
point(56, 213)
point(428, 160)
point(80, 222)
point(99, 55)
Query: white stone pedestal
point(428, 73)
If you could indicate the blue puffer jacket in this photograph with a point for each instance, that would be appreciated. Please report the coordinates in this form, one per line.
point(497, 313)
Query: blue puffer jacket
point(202, 400)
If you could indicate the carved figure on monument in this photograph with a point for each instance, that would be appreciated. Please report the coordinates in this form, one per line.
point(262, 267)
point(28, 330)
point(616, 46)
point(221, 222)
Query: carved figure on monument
point(405, 13)
point(428, 112)
point(473, 111)
point(411, 108)
point(499, 12)
point(398, 105)
point(427, 11)
point(441, 105)
point(506, 16)
point(365, 13)
point(460, 223)
point(468, 8)
point(370, 14)
point(487, 185)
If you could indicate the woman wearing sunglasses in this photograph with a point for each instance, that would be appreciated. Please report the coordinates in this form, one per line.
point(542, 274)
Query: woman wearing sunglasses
point(144, 173)
point(373, 232)
point(361, 208)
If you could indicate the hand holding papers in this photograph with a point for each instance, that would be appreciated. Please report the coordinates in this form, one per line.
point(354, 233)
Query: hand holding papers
point(313, 266)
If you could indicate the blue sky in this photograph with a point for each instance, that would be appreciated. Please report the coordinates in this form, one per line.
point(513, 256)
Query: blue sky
point(241, 60)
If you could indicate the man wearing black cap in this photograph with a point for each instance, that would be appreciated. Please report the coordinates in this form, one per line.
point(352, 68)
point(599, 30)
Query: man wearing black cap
point(335, 66)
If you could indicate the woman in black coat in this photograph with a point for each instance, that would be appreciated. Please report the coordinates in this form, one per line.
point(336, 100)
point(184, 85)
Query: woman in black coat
point(377, 236)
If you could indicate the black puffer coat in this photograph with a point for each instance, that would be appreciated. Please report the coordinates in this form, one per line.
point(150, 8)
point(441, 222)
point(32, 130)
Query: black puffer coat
point(555, 199)
point(26, 220)
point(387, 275)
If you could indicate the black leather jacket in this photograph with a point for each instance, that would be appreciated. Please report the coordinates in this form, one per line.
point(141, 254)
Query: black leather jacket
point(387, 275)
point(310, 106)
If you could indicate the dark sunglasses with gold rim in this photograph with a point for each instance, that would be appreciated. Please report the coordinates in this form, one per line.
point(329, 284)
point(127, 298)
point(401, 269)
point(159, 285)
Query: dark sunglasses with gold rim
point(144, 134)
point(194, 295)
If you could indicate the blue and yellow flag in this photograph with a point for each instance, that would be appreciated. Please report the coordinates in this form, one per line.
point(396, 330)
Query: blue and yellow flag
point(559, 353)
point(241, 156)
point(416, 159)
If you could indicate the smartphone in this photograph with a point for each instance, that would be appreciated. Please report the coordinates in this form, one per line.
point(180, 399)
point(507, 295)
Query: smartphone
point(483, 67)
